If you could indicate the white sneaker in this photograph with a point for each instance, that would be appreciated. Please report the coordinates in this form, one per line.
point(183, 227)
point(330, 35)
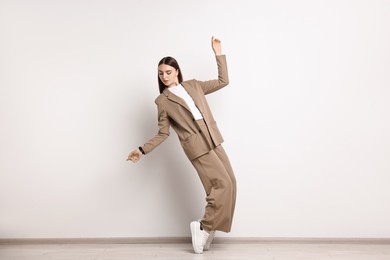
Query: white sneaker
point(199, 237)
point(209, 240)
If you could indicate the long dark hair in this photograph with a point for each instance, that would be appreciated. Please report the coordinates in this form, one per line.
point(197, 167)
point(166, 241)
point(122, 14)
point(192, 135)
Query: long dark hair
point(173, 63)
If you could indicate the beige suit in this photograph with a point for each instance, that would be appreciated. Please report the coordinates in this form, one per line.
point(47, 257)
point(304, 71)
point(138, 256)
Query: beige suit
point(201, 141)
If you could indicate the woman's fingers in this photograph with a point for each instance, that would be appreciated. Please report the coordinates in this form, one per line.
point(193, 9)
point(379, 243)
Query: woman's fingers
point(133, 156)
point(215, 40)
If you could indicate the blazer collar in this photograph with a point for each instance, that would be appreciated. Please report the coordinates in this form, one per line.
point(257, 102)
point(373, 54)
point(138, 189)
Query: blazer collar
point(175, 98)
point(192, 92)
point(179, 100)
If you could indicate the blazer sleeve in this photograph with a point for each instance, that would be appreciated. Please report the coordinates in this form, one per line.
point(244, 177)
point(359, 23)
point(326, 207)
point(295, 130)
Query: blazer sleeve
point(163, 132)
point(223, 78)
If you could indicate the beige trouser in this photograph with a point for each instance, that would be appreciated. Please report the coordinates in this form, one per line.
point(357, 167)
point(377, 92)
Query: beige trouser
point(217, 177)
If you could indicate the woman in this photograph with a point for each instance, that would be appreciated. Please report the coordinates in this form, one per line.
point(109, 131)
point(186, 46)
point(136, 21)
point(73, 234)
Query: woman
point(182, 105)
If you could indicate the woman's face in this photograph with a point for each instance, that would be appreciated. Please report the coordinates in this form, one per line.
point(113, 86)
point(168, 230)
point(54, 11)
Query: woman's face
point(168, 75)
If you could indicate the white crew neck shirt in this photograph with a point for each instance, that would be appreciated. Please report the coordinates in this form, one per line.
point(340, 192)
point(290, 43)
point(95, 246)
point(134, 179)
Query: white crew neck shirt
point(181, 92)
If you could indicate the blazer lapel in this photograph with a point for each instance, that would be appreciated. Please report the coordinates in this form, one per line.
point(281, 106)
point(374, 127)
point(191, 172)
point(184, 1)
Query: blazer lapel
point(191, 91)
point(175, 98)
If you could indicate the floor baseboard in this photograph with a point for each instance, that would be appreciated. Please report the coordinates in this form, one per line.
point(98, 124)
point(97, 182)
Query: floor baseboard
point(165, 240)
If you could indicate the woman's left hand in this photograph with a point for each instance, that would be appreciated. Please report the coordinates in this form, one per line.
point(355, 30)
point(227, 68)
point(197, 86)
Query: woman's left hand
point(216, 44)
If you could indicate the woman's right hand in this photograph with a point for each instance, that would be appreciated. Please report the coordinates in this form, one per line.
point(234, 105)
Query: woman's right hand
point(134, 156)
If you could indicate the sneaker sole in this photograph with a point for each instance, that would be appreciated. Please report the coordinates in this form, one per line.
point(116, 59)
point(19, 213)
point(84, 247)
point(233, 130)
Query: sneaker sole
point(194, 227)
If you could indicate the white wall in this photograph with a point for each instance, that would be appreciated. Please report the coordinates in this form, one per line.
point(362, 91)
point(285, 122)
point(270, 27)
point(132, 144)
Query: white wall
point(305, 117)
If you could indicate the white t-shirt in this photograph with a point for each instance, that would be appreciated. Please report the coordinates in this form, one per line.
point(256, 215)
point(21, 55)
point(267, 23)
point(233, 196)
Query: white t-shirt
point(181, 92)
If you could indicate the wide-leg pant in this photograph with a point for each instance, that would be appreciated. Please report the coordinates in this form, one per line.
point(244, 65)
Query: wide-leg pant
point(219, 182)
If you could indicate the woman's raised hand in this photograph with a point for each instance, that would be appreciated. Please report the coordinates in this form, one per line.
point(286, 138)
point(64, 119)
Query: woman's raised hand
point(134, 156)
point(216, 44)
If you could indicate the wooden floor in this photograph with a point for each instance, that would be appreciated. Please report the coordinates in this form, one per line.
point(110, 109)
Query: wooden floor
point(183, 251)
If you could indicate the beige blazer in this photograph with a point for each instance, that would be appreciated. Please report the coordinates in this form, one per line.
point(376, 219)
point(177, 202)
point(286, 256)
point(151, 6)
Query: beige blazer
point(173, 111)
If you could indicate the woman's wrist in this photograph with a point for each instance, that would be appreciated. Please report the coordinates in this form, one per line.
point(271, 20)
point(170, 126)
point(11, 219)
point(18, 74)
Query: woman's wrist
point(141, 150)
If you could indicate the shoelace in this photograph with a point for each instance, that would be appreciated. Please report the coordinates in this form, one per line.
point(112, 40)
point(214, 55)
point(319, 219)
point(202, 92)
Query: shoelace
point(205, 235)
point(204, 240)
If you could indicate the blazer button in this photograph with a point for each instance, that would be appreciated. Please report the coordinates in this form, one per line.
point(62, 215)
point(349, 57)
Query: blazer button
point(200, 131)
point(193, 119)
